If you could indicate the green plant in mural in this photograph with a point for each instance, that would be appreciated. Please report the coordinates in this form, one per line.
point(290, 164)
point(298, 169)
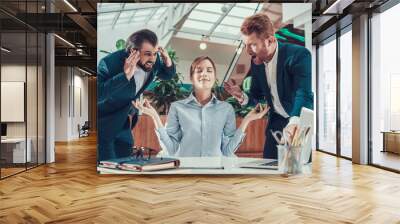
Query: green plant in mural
point(120, 44)
point(167, 91)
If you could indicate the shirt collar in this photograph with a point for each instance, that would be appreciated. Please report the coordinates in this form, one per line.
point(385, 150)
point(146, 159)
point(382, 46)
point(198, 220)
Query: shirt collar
point(191, 98)
point(140, 70)
point(275, 57)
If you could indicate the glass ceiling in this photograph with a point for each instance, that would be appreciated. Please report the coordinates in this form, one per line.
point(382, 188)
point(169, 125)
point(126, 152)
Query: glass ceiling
point(112, 15)
point(218, 19)
point(214, 20)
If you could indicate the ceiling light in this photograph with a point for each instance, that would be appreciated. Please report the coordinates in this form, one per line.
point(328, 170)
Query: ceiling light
point(203, 46)
point(224, 8)
point(5, 50)
point(70, 5)
point(65, 41)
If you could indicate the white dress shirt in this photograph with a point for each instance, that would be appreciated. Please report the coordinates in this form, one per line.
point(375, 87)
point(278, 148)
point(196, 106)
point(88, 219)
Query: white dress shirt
point(270, 72)
point(140, 77)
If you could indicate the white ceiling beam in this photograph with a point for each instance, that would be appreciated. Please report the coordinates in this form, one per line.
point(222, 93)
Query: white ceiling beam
point(199, 20)
point(117, 16)
point(220, 19)
point(215, 40)
point(238, 53)
point(204, 21)
point(136, 7)
point(211, 12)
point(132, 16)
point(200, 33)
point(175, 14)
point(150, 16)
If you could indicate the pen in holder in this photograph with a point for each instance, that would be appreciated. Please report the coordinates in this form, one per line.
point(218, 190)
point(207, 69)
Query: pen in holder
point(289, 159)
point(293, 150)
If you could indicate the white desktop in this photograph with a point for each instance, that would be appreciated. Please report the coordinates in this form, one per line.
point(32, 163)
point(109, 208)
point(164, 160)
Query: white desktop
point(16, 146)
point(233, 165)
point(13, 98)
point(209, 165)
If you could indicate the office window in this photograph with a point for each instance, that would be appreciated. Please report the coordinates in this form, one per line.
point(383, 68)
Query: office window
point(327, 96)
point(346, 94)
point(314, 90)
point(22, 92)
point(15, 149)
point(385, 89)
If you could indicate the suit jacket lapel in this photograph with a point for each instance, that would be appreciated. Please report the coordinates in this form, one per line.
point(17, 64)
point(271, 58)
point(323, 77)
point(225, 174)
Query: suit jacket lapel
point(279, 71)
point(262, 80)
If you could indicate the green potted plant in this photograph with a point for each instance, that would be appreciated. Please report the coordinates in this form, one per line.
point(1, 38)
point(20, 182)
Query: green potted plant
point(164, 92)
point(240, 110)
point(119, 45)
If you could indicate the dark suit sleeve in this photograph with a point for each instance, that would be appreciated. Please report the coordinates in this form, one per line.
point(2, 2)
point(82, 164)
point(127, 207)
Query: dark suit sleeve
point(114, 90)
point(301, 69)
point(255, 94)
point(165, 72)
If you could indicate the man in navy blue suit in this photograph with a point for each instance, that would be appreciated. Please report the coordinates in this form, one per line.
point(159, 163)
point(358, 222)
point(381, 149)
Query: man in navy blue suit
point(281, 76)
point(121, 78)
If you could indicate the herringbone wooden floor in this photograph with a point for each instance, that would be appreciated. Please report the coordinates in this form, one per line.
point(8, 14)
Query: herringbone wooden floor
point(70, 191)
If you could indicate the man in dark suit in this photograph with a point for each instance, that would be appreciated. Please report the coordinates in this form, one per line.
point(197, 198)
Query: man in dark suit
point(281, 76)
point(121, 78)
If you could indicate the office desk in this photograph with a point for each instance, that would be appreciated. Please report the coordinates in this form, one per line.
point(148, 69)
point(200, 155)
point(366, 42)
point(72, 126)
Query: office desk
point(202, 165)
point(13, 150)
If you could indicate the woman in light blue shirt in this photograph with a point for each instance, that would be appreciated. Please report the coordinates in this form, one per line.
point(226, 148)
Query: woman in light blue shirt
point(200, 125)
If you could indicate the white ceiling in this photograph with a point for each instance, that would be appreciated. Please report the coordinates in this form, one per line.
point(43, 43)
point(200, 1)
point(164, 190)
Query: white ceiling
point(216, 22)
point(111, 15)
point(189, 50)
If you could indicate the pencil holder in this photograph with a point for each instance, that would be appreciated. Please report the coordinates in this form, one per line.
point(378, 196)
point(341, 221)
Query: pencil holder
point(289, 159)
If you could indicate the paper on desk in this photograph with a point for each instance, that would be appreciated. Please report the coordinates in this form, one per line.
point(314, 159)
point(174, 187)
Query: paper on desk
point(201, 162)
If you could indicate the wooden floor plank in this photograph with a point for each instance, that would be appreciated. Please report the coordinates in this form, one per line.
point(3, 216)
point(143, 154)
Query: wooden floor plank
point(71, 191)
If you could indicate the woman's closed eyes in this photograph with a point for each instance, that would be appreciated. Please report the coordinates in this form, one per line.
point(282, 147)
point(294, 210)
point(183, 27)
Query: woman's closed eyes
point(200, 70)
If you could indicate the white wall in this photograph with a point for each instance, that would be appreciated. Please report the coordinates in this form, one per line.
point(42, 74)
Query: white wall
point(187, 50)
point(67, 115)
point(61, 103)
point(80, 83)
point(12, 73)
point(33, 126)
